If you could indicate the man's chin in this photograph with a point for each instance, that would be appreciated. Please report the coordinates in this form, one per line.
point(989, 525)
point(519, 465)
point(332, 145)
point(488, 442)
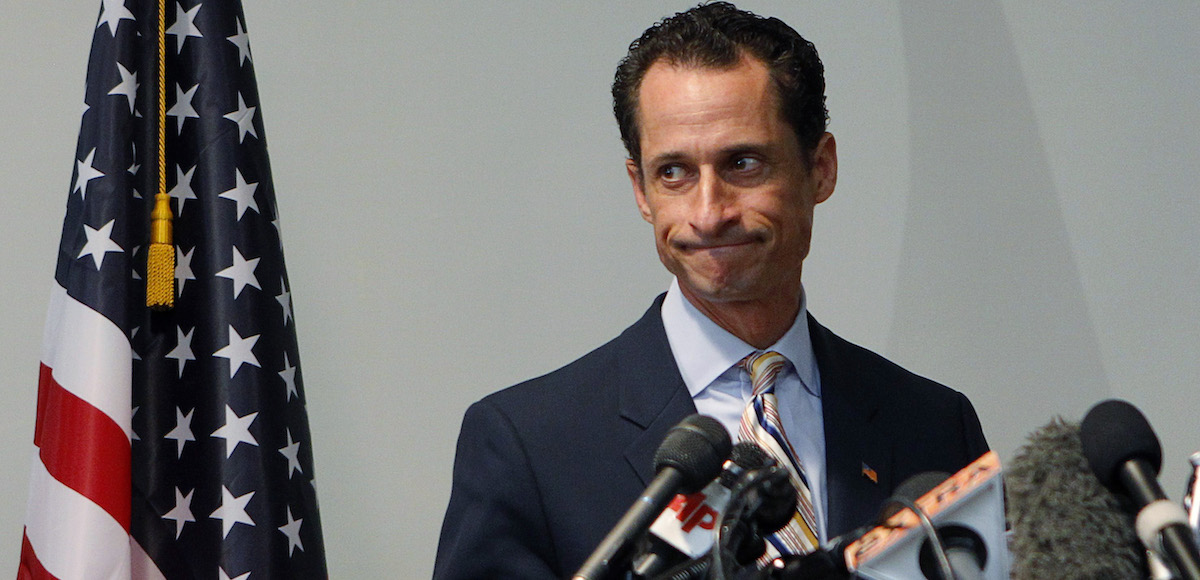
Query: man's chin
point(714, 291)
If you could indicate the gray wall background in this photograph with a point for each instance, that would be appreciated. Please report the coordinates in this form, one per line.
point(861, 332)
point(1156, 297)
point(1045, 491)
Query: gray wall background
point(1016, 216)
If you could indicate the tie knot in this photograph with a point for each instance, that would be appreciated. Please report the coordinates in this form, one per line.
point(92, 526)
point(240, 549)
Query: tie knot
point(763, 366)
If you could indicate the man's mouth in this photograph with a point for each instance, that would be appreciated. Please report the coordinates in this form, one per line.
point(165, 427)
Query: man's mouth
point(717, 245)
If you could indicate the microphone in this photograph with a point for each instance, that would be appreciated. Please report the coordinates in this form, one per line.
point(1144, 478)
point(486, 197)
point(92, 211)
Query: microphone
point(686, 528)
point(768, 497)
point(825, 563)
point(690, 455)
point(1064, 523)
point(968, 512)
point(829, 561)
point(1125, 455)
point(763, 502)
point(751, 492)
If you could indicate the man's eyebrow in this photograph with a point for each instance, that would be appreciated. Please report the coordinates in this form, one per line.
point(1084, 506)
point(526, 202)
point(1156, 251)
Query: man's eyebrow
point(731, 150)
point(664, 158)
point(748, 147)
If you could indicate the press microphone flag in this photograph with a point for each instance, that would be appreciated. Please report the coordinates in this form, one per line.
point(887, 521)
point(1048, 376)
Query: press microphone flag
point(685, 529)
point(690, 456)
point(689, 523)
point(970, 501)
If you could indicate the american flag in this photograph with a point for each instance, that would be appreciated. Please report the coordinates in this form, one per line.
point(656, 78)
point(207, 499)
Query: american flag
point(172, 444)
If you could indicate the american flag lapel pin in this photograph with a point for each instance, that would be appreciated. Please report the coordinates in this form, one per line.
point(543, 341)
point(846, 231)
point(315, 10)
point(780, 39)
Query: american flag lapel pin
point(870, 473)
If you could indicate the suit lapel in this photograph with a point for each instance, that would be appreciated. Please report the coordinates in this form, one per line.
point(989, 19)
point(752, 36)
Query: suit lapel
point(652, 395)
point(857, 459)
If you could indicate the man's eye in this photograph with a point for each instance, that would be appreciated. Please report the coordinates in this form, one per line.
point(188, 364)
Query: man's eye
point(672, 173)
point(746, 164)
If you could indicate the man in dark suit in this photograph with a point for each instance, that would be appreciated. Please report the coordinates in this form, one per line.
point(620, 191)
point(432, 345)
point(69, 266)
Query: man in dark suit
point(723, 115)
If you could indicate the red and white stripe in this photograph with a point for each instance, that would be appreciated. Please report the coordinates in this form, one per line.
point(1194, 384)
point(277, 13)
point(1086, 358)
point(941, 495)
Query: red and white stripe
point(77, 520)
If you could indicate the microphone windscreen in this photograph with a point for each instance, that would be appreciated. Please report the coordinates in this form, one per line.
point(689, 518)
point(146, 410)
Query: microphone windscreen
point(1064, 523)
point(749, 455)
point(697, 447)
point(776, 498)
point(1114, 432)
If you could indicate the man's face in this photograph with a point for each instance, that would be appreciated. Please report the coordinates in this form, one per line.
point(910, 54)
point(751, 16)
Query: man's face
point(724, 182)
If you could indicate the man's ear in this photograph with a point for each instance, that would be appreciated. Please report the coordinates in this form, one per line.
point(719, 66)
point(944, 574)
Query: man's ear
point(639, 192)
point(824, 167)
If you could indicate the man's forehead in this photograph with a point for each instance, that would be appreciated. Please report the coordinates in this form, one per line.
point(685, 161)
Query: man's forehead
point(681, 63)
point(666, 82)
point(687, 94)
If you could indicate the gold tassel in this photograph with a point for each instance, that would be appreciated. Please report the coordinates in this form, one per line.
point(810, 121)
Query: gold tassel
point(160, 260)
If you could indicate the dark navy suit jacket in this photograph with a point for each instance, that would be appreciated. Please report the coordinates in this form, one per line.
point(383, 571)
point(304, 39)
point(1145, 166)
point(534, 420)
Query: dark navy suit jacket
point(545, 468)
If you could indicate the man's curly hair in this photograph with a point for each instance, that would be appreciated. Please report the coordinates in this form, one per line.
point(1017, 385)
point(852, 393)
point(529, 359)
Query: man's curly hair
point(718, 36)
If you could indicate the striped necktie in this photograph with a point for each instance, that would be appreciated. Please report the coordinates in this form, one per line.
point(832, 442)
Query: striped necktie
point(761, 425)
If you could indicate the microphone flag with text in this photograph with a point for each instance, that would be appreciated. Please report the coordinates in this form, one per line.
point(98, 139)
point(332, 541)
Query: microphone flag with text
point(968, 511)
point(724, 525)
point(692, 454)
point(829, 561)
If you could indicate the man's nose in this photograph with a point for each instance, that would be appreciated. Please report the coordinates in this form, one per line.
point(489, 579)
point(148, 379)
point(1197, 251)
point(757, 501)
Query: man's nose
point(713, 206)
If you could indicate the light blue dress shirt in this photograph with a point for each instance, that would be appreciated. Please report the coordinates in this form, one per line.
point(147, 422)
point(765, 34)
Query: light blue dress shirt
point(707, 356)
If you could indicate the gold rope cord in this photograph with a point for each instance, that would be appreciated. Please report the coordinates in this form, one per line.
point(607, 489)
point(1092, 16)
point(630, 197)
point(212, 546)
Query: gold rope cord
point(160, 261)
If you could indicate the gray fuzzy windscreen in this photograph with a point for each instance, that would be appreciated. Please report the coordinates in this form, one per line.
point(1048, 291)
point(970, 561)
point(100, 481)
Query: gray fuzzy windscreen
point(1064, 523)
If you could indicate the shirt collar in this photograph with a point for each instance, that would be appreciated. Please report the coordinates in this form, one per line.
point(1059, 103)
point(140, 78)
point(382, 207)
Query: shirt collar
point(703, 350)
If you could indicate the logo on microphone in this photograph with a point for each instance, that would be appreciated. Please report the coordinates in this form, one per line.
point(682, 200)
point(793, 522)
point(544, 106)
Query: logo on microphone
point(693, 511)
point(689, 521)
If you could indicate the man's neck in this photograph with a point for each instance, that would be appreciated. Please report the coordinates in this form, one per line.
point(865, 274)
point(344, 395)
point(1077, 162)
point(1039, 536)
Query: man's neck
point(758, 323)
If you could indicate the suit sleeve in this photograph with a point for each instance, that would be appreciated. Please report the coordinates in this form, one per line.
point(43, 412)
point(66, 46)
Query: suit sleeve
point(973, 439)
point(495, 526)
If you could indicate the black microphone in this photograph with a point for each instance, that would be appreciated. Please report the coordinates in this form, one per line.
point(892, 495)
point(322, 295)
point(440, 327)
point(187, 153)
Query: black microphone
point(764, 501)
point(770, 499)
point(1125, 455)
point(689, 457)
point(1064, 523)
point(686, 529)
point(752, 497)
point(825, 563)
